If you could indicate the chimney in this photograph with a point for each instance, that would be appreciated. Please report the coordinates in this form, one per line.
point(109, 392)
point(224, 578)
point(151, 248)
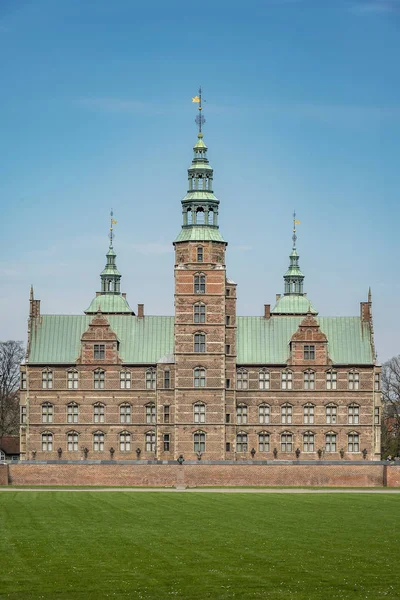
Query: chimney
point(140, 310)
point(278, 297)
point(267, 311)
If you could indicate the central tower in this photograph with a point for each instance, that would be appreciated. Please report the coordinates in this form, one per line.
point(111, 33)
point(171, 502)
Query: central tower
point(205, 348)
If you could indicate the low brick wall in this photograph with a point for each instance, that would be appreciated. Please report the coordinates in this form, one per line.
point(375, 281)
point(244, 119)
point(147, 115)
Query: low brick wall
point(87, 473)
point(3, 474)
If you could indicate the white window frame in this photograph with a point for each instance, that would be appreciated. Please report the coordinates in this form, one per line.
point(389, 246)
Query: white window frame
point(331, 414)
point(264, 413)
point(308, 413)
point(72, 379)
point(72, 412)
point(125, 379)
point(241, 414)
point(309, 379)
point(47, 412)
point(286, 414)
point(99, 412)
point(242, 379)
point(125, 412)
point(286, 380)
point(264, 379)
point(199, 412)
point(331, 380)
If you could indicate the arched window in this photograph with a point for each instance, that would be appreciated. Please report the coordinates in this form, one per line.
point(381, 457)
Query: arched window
point(98, 441)
point(286, 380)
point(199, 377)
point(47, 412)
point(199, 441)
point(286, 413)
point(354, 380)
point(125, 441)
point(264, 412)
point(199, 312)
point(210, 212)
point(331, 414)
point(72, 379)
point(150, 439)
point(353, 442)
point(150, 413)
point(263, 379)
point(72, 441)
point(125, 412)
point(189, 214)
point(199, 283)
point(242, 379)
point(330, 442)
point(286, 441)
point(98, 412)
point(331, 380)
point(241, 441)
point(99, 379)
point(199, 412)
point(125, 380)
point(353, 414)
point(151, 379)
point(72, 412)
point(47, 441)
point(309, 380)
point(200, 214)
point(47, 379)
point(308, 414)
point(199, 342)
point(241, 414)
point(263, 441)
point(308, 441)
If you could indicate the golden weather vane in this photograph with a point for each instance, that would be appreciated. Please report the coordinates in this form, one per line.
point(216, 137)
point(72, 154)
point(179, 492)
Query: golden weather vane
point(295, 222)
point(112, 222)
point(200, 120)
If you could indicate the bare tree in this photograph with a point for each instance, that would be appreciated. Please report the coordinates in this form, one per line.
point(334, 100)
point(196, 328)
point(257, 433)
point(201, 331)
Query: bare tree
point(11, 356)
point(391, 408)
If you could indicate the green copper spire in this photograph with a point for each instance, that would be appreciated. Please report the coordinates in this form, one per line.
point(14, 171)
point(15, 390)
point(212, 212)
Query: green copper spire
point(200, 206)
point(294, 277)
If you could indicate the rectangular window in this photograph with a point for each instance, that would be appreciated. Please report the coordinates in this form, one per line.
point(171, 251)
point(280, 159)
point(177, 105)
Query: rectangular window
point(309, 352)
point(125, 380)
point(308, 442)
point(98, 442)
point(309, 380)
point(166, 414)
point(125, 441)
point(354, 380)
point(377, 416)
point(241, 414)
point(228, 292)
point(263, 413)
point(150, 379)
point(263, 442)
point(199, 284)
point(227, 349)
point(125, 413)
point(98, 413)
point(286, 414)
point(23, 415)
point(72, 380)
point(227, 447)
point(354, 415)
point(353, 442)
point(377, 382)
point(331, 380)
point(47, 413)
point(150, 413)
point(72, 413)
point(227, 418)
point(23, 380)
point(99, 380)
point(227, 383)
point(286, 442)
point(199, 379)
point(308, 414)
point(264, 380)
point(47, 380)
point(199, 342)
point(199, 315)
point(72, 442)
point(330, 442)
point(199, 442)
point(242, 377)
point(99, 351)
point(47, 442)
point(227, 320)
point(286, 380)
point(166, 442)
point(331, 414)
point(199, 254)
point(167, 381)
point(241, 442)
point(151, 442)
point(199, 413)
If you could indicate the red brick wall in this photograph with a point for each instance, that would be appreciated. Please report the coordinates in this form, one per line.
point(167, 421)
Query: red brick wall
point(3, 474)
point(192, 475)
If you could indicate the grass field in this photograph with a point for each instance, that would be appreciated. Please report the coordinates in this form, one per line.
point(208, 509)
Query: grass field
point(61, 545)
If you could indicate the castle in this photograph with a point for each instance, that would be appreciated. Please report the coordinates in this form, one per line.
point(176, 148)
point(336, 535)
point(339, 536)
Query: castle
point(204, 384)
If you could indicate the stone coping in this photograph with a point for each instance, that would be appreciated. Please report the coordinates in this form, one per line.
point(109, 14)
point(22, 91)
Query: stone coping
point(275, 462)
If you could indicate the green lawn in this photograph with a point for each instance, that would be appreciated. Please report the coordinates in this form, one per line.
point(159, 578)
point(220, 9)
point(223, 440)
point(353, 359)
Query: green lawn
point(60, 545)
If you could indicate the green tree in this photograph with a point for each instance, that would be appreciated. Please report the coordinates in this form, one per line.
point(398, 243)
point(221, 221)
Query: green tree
point(391, 407)
point(11, 356)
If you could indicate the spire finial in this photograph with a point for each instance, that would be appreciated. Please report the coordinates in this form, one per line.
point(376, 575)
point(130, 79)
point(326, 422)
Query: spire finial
point(200, 120)
point(111, 234)
point(294, 236)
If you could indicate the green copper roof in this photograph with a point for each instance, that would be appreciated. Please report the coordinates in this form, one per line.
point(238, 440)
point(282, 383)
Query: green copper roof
point(199, 233)
point(293, 304)
point(109, 303)
point(56, 339)
point(201, 196)
point(110, 270)
point(199, 166)
point(266, 341)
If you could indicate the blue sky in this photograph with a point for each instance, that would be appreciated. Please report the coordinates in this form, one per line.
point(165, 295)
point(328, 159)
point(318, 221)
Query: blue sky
point(303, 111)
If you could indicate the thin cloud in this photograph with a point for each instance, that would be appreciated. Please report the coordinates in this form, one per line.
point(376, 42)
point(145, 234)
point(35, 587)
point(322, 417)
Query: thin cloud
point(366, 7)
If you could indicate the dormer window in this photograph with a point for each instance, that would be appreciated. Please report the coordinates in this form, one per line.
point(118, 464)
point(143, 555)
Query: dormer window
point(99, 352)
point(309, 352)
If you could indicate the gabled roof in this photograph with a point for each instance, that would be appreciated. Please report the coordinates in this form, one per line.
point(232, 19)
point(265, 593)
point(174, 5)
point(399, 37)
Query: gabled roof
point(10, 444)
point(56, 339)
